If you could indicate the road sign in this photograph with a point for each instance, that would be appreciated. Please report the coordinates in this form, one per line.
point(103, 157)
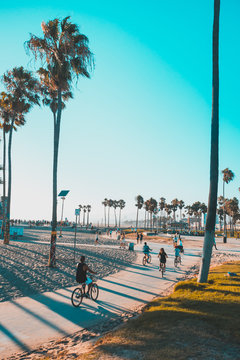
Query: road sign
point(77, 211)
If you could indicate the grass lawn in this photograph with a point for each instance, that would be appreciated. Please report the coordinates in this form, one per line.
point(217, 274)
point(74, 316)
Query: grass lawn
point(198, 321)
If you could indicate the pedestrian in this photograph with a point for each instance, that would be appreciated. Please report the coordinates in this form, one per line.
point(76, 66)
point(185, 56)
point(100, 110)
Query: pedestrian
point(137, 237)
point(96, 240)
point(141, 237)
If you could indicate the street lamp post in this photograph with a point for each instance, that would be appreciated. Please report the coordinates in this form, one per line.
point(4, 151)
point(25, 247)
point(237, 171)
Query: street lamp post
point(63, 195)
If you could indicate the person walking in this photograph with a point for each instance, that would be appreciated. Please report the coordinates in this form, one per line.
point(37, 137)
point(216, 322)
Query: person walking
point(137, 237)
point(141, 237)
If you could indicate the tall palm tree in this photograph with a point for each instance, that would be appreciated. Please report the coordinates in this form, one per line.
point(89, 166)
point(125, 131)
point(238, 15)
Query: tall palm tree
point(174, 203)
point(110, 204)
point(162, 206)
point(196, 206)
point(146, 207)
point(88, 211)
point(152, 209)
point(84, 213)
point(5, 114)
point(23, 89)
point(212, 199)
point(105, 204)
point(228, 176)
point(65, 54)
point(115, 205)
point(139, 205)
point(121, 204)
point(79, 218)
point(181, 206)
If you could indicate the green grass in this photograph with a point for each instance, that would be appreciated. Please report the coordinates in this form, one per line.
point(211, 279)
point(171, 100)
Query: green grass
point(198, 321)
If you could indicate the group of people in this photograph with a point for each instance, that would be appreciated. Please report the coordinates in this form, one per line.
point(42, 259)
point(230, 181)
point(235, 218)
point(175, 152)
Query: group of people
point(139, 237)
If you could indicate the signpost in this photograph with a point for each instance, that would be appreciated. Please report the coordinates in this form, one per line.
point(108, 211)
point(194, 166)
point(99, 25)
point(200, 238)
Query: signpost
point(77, 212)
point(62, 194)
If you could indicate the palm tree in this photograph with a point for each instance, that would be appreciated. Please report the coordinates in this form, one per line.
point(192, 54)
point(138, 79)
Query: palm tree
point(5, 114)
point(174, 203)
point(139, 205)
point(23, 91)
point(228, 176)
point(232, 210)
point(162, 206)
point(121, 204)
point(196, 209)
point(212, 199)
point(203, 209)
point(105, 204)
point(152, 209)
point(146, 207)
point(110, 204)
point(80, 208)
point(84, 213)
point(181, 206)
point(168, 209)
point(65, 53)
point(88, 211)
point(115, 205)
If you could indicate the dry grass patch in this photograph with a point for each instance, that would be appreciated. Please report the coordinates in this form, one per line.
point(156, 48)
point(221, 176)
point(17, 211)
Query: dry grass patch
point(198, 321)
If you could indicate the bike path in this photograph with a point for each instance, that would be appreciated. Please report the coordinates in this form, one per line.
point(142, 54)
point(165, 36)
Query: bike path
point(28, 322)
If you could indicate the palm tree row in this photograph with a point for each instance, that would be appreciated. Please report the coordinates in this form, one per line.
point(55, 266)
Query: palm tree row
point(85, 209)
point(113, 204)
point(64, 55)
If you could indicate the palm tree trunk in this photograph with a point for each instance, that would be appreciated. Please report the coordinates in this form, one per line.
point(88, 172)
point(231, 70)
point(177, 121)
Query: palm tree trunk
point(7, 225)
point(108, 214)
point(105, 219)
point(4, 182)
point(119, 218)
point(145, 219)
point(115, 217)
point(57, 123)
point(137, 218)
point(212, 200)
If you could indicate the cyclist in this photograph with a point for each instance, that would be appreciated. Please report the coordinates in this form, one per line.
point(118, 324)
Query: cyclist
point(81, 275)
point(177, 253)
point(162, 258)
point(146, 250)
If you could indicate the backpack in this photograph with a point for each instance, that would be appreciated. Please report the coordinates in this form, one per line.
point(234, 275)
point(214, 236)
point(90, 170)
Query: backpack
point(80, 275)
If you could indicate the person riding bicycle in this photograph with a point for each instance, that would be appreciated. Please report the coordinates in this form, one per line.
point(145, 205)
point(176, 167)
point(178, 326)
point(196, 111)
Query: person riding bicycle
point(177, 253)
point(81, 275)
point(162, 258)
point(180, 246)
point(146, 250)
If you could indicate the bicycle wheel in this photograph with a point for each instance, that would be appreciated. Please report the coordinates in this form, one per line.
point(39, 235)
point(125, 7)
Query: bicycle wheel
point(149, 259)
point(77, 296)
point(94, 292)
point(144, 260)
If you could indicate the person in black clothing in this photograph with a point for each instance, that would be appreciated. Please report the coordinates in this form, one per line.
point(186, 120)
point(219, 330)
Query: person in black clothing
point(81, 276)
point(137, 237)
point(162, 258)
point(141, 237)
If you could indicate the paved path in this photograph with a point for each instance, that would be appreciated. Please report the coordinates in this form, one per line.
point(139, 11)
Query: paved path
point(28, 322)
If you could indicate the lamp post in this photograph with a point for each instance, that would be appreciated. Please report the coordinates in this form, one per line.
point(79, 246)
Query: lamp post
point(63, 195)
point(77, 212)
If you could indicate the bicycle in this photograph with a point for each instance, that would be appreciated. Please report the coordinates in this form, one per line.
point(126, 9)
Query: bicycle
point(147, 259)
point(80, 292)
point(162, 268)
point(177, 261)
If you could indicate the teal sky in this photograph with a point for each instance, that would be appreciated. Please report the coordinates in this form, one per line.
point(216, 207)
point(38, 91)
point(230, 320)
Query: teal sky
point(141, 125)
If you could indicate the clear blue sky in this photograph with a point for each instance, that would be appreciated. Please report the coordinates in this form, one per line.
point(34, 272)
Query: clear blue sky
point(141, 125)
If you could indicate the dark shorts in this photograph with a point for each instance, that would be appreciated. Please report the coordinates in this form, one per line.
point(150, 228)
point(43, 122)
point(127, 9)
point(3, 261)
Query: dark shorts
point(163, 261)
